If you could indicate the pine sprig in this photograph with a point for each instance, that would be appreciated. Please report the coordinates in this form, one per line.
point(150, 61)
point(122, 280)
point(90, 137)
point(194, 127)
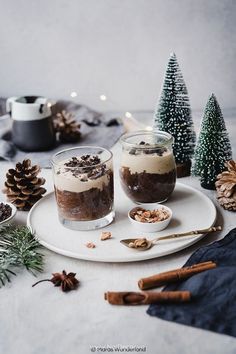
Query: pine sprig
point(18, 248)
point(5, 273)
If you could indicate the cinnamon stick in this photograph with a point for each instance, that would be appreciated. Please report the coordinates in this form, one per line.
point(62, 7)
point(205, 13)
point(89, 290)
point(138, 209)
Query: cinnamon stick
point(174, 275)
point(145, 297)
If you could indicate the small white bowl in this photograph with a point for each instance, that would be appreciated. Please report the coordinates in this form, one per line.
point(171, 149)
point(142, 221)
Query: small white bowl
point(13, 212)
point(150, 227)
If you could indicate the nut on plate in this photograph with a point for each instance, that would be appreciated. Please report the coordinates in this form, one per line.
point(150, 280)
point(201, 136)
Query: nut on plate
point(90, 245)
point(105, 235)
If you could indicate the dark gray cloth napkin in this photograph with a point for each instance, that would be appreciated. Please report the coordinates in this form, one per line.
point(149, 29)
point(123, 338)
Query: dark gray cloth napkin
point(214, 291)
point(96, 129)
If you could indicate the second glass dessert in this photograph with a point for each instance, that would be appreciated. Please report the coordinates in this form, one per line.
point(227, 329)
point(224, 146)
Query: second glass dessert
point(148, 171)
point(83, 181)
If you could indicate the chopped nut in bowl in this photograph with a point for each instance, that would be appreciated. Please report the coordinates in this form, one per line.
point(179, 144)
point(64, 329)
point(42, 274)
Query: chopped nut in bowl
point(150, 218)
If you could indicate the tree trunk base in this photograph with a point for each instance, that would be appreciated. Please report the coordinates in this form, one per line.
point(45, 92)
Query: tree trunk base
point(210, 186)
point(183, 169)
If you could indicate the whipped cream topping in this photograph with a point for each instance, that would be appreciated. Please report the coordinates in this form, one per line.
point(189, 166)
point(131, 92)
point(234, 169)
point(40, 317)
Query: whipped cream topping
point(73, 179)
point(150, 163)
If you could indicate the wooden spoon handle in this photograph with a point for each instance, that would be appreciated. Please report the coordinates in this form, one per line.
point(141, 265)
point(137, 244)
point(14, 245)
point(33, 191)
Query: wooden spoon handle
point(189, 233)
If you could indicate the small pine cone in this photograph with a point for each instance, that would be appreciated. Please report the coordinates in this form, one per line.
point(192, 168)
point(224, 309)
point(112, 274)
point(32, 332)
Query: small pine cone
point(67, 128)
point(226, 186)
point(23, 187)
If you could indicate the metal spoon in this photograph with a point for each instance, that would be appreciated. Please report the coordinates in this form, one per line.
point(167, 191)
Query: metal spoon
point(142, 244)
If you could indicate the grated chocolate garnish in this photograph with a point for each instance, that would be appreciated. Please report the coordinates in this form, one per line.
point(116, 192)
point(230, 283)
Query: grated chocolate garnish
point(83, 161)
point(158, 150)
point(97, 172)
point(86, 162)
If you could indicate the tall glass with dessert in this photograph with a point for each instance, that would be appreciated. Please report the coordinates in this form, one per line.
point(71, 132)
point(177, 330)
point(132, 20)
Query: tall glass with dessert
point(83, 182)
point(148, 171)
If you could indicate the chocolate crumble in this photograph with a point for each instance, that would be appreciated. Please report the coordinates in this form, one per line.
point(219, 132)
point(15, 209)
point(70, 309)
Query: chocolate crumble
point(5, 211)
point(157, 150)
point(85, 162)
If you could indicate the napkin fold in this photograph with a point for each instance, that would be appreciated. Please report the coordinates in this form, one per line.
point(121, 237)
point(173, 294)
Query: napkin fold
point(213, 305)
point(97, 129)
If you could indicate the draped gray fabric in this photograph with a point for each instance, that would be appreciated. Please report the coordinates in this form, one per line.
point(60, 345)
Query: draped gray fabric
point(213, 305)
point(96, 129)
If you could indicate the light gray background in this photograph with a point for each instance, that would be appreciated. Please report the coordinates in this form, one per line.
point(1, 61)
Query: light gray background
point(119, 48)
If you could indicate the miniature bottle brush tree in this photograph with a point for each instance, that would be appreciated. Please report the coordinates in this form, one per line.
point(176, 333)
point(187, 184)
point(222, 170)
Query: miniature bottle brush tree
point(213, 146)
point(173, 115)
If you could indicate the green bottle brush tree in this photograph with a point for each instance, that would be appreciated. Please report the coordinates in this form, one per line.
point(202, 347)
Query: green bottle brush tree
point(173, 115)
point(213, 146)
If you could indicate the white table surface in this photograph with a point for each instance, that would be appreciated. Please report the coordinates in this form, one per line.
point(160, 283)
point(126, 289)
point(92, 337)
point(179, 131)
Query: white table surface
point(44, 320)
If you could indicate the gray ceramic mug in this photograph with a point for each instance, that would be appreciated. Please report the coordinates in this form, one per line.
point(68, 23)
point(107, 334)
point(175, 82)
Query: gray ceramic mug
point(32, 126)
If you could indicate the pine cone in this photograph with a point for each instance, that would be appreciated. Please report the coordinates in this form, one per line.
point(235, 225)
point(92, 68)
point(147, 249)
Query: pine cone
point(23, 187)
point(67, 128)
point(226, 186)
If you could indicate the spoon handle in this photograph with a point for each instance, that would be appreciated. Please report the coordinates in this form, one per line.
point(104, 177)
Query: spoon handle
point(189, 233)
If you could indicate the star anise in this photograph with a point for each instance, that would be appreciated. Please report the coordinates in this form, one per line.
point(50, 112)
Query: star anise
point(66, 281)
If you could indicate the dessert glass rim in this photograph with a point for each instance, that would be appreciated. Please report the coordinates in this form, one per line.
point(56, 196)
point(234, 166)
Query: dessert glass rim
point(125, 136)
point(53, 162)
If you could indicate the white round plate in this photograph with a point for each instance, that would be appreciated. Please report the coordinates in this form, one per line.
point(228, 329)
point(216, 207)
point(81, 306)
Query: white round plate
point(191, 210)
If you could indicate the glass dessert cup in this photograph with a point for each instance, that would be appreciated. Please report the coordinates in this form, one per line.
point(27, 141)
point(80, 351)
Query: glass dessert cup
point(84, 190)
point(148, 171)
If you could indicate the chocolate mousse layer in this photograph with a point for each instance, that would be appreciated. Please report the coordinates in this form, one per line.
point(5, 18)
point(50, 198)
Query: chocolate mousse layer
point(147, 187)
point(88, 205)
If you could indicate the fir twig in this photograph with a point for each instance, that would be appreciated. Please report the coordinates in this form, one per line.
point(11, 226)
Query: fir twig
point(4, 271)
point(18, 247)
